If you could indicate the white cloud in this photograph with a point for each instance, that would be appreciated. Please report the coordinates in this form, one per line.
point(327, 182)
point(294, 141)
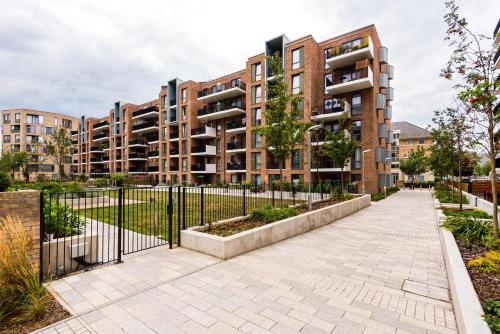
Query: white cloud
point(79, 57)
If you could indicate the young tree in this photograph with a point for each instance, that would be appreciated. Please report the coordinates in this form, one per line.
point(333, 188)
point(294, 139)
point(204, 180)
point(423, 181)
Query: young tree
point(414, 165)
point(7, 163)
point(473, 61)
point(58, 146)
point(21, 160)
point(339, 146)
point(283, 130)
point(482, 169)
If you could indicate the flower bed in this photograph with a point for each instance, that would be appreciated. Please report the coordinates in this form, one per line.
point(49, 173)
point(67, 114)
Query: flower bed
point(226, 247)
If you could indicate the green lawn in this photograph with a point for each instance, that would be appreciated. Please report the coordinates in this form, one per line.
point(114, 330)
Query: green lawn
point(141, 217)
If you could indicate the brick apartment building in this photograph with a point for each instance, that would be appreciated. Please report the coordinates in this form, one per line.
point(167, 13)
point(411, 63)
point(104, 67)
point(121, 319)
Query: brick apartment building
point(25, 130)
point(408, 138)
point(204, 132)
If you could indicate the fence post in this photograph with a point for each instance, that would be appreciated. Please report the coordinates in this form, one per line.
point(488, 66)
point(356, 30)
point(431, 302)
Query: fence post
point(120, 224)
point(272, 191)
point(202, 211)
point(178, 216)
point(42, 232)
point(184, 208)
point(169, 212)
point(244, 201)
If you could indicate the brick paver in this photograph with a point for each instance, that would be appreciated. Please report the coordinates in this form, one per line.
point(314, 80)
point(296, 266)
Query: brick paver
point(380, 270)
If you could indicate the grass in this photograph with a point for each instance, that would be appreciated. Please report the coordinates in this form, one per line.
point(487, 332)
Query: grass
point(468, 231)
point(141, 217)
point(447, 196)
point(381, 196)
point(22, 296)
point(467, 213)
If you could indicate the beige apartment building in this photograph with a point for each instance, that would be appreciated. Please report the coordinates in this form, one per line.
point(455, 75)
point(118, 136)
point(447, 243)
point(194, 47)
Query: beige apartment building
point(25, 130)
point(408, 138)
point(204, 132)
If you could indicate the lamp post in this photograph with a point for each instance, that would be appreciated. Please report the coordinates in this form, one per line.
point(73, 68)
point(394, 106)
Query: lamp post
point(312, 128)
point(363, 168)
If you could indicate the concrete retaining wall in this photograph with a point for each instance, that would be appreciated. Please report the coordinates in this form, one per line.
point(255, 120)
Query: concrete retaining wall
point(229, 247)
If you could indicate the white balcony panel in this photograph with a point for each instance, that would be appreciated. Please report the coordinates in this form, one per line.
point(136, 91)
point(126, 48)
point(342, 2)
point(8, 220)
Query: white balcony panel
point(235, 171)
point(150, 129)
point(222, 95)
point(209, 150)
point(222, 114)
point(351, 57)
point(100, 139)
point(209, 169)
point(151, 114)
point(209, 133)
point(236, 130)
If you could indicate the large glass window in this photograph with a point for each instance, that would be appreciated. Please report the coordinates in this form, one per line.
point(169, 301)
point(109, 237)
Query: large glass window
point(256, 94)
point(328, 81)
point(6, 118)
point(356, 104)
point(298, 83)
point(184, 164)
point(256, 116)
point(184, 147)
point(256, 72)
point(256, 140)
point(325, 57)
point(256, 161)
point(356, 158)
point(297, 159)
point(421, 141)
point(34, 119)
point(184, 130)
point(409, 141)
point(184, 95)
point(297, 58)
point(356, 131)
point(6, 138)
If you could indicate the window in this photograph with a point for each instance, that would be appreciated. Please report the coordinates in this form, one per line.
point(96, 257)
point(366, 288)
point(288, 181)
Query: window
point(30, 128)
point(409, 141)
point(325, 53)
point(163, 133)
point(256, 94)
point(297, 159)
point(164, 165)
point(421, 141)
point(184, 95)
point(256, 179)
point(256, 116)
point(34, 119)
point(297, 58)
point(184, 113)
point(6, 118)
point(66, 123)
point(356, 131)
point(164, 149)
point(256, 162)
point(18, 117)
point(55, 121)
point(328, 81)
point(298, 83)
point(356, 158)
point(184, 130)
point(6, 138)
point(184, 164)
point(164, 102)
point(300, 110)
point(256, 72)
point(256, 140)
point(184, 147)
point(17, 138)
point(356, 104)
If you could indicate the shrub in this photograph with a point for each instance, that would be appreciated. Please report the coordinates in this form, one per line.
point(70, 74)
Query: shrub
point(52, 187)
point(491, 243)
point(101, 183)
point(74, 188)
point(118, 179)
point(59, 219)
point(377, 197)
point(5, 181)
point(492, 315)
point(488, 264)
point(338, 196)
point(268, 214)
point(450, 197)
point(22, 296)
point(468, 231)
point(82, 178)
point(467, 213)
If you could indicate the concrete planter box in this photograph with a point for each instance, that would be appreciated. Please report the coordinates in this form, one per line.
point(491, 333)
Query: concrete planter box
point(229, 247)
point(64, 253)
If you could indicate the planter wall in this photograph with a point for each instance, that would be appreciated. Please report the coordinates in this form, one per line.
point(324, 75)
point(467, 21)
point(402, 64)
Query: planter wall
point(229, 247)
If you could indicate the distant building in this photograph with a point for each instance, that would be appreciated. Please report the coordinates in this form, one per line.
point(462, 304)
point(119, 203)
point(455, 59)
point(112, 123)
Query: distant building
point(25, 130)
point(408, 138)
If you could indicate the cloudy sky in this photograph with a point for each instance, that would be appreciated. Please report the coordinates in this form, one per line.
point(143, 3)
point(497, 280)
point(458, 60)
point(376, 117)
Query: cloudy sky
point(79, 57)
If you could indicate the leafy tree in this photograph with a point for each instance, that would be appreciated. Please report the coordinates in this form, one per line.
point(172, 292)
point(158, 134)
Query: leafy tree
point(442, 150)
point(415, 164)
point(282, 130)
point(58, 146)
point(472, 59)
point(7, 163)
point(21, 160)
point(339, 146)
point(482, 169)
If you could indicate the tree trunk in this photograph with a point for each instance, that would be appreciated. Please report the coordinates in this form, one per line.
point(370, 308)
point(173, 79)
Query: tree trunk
point(491, 136)
point(281, 184)
point(342, 179)
point(460, 178)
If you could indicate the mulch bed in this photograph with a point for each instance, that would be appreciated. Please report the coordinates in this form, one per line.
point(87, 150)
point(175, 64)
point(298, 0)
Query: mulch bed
point(228, 229)
point(55, 312)
point(487, 286)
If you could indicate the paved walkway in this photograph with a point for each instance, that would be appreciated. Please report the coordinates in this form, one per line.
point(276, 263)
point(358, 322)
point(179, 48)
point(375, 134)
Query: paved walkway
point(378, 271)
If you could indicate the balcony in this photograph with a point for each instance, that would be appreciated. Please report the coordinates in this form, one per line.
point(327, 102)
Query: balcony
point(149, 112)
point(172, 117)
point(153, 169)
point(388, 112)
point(137, 156)
point(145, 126)
point(137, 143)
point(100, 125)
point(174, 136)
point(174, 153)
point(173, 103)
point(352, 81)
point(203, 150)
point(351, 52)
point(222, 91)
point(203, 133)
point(153, 154)
point(174, 168)
point(96, 150)
point(203, 169)
point(390, 94)
point(105, 159)
point(237, 147)
point(236, 168)
point(101, 137)
point(152, 140)
point(137, 170)
point(332, 112)
point(328, 165)
point(236, 126)
point(222, 110)
point(74, 133)
point(96, 161)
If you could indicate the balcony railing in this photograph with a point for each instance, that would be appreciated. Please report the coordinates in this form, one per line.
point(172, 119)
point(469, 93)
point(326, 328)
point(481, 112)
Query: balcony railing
point(137, 170)
point(153, 169)
point(236, 146)
point(236, 166)
point(333, 111)
point(237, 124)
point(223, 108)
point(174, 151)
point(348, 47)
point(153, 153)
point(137, 155)
point(221, 87)
point(351, 80)
point(149, 110)
point(203, 132)
point(100, 124)
point(144, 125)
point(351, 76)
point(174, 168)
point(174, 136)
point(152, 139)
point(75, 132)
point(137, 142)
point(100, 136)
point(350, 52)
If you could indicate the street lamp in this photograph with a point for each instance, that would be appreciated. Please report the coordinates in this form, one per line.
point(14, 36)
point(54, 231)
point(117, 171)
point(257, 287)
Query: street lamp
point(312, 128)
point(363, 168)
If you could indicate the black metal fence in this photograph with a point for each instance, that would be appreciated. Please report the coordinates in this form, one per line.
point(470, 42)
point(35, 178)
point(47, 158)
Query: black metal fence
point(86, 229)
